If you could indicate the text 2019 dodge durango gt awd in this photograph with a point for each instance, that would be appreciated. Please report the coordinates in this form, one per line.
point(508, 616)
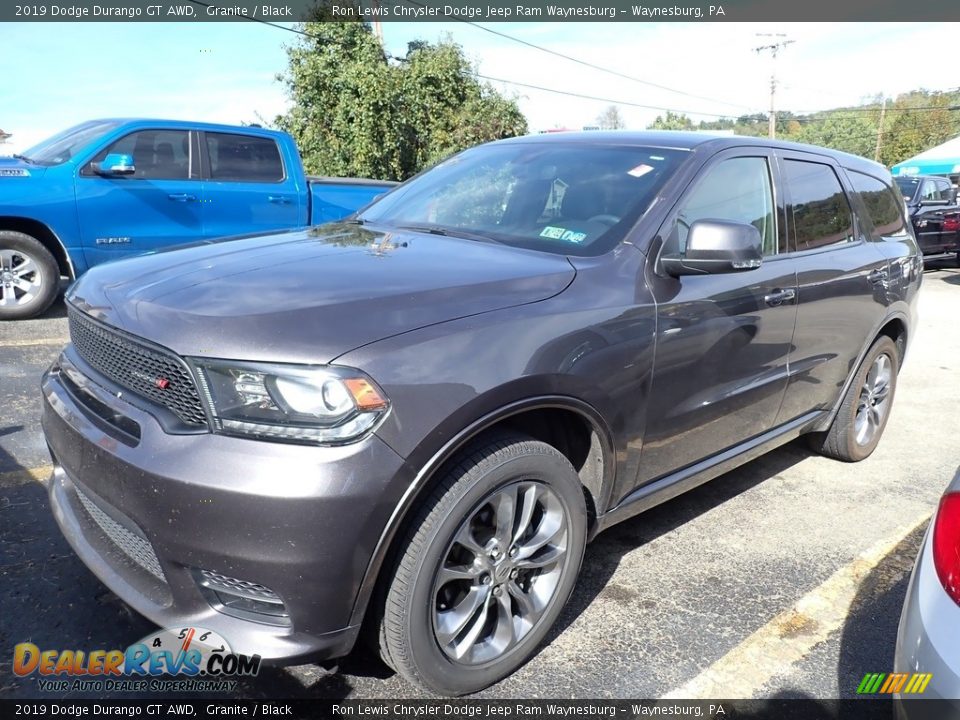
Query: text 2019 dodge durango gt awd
point(414, 421)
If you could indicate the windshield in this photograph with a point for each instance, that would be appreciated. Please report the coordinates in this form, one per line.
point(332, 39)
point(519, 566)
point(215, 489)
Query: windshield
point(571, 199)
point(908, 186)
point(63, 146)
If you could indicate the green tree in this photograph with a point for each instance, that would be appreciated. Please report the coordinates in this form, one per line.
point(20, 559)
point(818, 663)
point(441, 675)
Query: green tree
point(672, 121)
point(356, 113)
point(850, 132)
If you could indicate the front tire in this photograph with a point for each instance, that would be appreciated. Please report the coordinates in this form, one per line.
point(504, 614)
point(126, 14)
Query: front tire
point(858, 426)
point(29, 276)
point(487, 565)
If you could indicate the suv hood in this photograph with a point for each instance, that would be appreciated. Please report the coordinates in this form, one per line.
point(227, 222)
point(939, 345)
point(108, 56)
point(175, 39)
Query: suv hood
point(311, 295)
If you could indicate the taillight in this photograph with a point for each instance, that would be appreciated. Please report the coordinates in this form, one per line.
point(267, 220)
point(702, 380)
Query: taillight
point(946, 544)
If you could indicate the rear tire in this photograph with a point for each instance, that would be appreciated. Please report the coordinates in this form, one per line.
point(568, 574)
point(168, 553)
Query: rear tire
point(486, 567)
point(858, 426)
point(29, 276)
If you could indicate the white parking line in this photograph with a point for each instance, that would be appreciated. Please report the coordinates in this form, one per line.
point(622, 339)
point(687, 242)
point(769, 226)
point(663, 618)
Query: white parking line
point(33, 342)
point(792, 634)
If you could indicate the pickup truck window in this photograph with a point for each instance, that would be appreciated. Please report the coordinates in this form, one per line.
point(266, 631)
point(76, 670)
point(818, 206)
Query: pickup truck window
point(739, 190)
point(908, 186)
point(819, 209)
point(568, 199)
point(157, 154)
point(928, 190)
point(63, 146)
point(884, 207)
point(944, 191)
point(244, 158)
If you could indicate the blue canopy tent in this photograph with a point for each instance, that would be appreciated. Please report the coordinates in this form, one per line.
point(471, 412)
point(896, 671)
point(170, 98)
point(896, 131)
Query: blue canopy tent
point(940, 160)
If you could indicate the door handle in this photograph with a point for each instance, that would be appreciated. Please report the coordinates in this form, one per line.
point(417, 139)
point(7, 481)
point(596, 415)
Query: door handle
point(182, 197)
point(279, 199)
point(878, 276)
point(778, 297)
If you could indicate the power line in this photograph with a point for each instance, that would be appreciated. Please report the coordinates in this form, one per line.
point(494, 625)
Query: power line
point(726, 116)
point(593, 97)
point(597, 67)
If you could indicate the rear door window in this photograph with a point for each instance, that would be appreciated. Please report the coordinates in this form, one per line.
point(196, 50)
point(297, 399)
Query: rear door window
point(244, 158)
point(883, 205)
point(819, 212)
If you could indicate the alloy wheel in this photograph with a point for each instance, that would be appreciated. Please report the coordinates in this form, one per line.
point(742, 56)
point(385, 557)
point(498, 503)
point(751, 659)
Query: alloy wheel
point(500, 572)
point(874, 400)
point(20, 278)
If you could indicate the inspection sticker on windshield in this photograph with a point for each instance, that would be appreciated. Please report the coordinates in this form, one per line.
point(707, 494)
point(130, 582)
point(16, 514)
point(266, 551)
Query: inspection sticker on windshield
point(640, 170)
point(558, 233)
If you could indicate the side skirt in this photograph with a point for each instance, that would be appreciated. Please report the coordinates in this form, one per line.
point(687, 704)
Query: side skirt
point(669, 486)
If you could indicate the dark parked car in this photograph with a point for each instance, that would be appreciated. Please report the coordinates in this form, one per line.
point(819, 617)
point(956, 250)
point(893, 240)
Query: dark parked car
point(933, 211)
point(413, 422)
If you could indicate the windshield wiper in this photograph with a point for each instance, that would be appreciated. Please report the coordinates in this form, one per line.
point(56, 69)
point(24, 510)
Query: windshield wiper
point(448, 232)
point(24, 158)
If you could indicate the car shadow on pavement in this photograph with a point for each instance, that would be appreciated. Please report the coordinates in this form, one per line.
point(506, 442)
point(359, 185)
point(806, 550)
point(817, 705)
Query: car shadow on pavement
point(953, 278)
point(603, 556)
point(869, 634)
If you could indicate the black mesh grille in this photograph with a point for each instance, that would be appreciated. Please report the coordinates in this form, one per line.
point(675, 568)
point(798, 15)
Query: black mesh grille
point(138, 367)
point(134, 546)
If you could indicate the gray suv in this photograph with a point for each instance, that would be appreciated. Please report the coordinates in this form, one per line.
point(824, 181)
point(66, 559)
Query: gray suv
point(413, 422)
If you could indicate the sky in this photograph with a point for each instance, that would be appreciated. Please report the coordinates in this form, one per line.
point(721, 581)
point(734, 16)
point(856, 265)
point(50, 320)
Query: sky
point(53, 75)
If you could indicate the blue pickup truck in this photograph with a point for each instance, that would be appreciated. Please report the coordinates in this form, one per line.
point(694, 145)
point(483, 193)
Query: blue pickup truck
point(107, 189)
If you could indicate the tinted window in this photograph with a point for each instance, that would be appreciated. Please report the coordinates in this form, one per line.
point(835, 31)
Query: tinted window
point(738, 190)
point(908, 186)
point(944, 191)
point(928, 190)
point(244, 158)
point(157, 154)
point(819, 211)
point(573, 198)
point(883, 203)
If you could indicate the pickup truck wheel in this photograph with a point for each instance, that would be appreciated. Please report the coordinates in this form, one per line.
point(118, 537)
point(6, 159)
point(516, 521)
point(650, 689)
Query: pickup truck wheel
point(486, 567)
point(863, 415)
point(29, 276)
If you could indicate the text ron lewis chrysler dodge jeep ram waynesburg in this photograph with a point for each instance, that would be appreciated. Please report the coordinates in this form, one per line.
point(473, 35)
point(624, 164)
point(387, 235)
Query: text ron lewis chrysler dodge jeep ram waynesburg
point(416, 419)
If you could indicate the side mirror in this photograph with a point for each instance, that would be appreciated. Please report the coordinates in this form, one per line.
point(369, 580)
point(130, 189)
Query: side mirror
point(115, 164)
point(717, 246)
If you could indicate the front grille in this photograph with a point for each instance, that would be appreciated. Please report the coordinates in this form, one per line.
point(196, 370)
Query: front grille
point(134, 546)
point(138, 367)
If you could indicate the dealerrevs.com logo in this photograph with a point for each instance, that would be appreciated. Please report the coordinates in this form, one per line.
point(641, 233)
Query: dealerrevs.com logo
point(201, 658)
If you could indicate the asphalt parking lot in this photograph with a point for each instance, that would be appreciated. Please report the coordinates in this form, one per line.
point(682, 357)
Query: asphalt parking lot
point(783, 578)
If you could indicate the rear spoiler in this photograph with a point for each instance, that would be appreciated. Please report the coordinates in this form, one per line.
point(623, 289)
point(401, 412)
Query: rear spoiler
point(351, 181)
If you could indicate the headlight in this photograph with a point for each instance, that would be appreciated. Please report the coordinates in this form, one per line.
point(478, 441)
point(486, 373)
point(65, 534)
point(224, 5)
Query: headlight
point(296, 403)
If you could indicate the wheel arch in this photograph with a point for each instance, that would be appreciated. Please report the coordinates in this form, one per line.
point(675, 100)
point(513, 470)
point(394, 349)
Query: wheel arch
point(894, 326)
point(45, 236)
point(571, 425)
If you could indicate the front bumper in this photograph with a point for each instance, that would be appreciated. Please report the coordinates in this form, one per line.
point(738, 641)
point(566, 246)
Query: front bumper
point(148, 515)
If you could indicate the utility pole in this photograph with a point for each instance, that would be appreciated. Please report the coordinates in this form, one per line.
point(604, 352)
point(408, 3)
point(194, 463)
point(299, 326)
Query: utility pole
point(774, 49)
point(883, 111)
